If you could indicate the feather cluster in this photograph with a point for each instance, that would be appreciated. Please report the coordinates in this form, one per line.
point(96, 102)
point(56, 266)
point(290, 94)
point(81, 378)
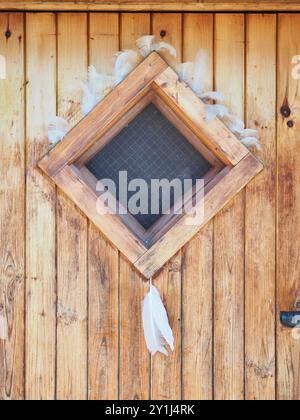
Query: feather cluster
point(157, 331)
point(98, 85)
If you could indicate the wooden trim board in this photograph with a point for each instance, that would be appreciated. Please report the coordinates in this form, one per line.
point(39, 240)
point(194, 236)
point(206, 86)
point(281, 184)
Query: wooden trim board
point(152, 6)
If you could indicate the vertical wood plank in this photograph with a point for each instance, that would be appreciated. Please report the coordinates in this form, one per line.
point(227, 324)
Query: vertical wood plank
point(229, 226)
point(12, 204)
point(197, 289)
point(103, 258)
point(41, 204)
point(288, 244)
point(166, 371)
point(71, 224)
point(134, 357)
point(260, 211)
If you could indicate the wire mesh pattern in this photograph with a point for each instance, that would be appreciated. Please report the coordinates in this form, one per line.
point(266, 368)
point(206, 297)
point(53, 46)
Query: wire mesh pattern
point(150, 147)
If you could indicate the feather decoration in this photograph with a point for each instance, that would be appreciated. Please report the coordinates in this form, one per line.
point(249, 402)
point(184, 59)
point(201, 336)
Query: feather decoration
point(126, 61)
point(57, 130)
point(213, 111)
point(200, 69)
point(157, 330)
point(251, 142)
point(234, 123)
point(248, 132)
point(213, 96)
point(185, 71)
point(146, 45)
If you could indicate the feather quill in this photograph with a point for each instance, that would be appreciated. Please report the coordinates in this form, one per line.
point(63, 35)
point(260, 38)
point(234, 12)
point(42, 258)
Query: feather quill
point(157, 330)
point(57, 130)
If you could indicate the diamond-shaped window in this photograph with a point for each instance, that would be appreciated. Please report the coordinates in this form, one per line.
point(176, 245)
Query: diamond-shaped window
point(153, 127)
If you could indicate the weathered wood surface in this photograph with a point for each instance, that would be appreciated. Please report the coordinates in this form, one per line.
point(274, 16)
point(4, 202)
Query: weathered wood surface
point(153, 5)
point(223, 291)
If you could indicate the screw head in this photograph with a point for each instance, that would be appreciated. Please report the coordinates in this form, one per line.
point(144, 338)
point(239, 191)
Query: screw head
point(8, 34)
point(285, 111)
point(163, 33)
point(290, 123)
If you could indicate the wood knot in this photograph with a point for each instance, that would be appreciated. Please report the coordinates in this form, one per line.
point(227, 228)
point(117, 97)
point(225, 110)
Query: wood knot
point(285, 111)
point(174, 267)
point(8, 34)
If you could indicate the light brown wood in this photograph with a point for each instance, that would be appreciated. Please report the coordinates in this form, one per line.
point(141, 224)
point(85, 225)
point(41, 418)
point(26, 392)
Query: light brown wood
point(214, 134)
point(229, 227)
point(71, 225)
point(288, 359)
point(260, 212)
point(154, 5)
point(103, 259)
point(12, 205)
point(166, 371)
point(134, 371)
point(232, 183)
point(41, 215)
point(197, 265)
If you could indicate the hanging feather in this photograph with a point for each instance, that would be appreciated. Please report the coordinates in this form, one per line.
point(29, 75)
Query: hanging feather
point(99, 82)
point(57, 130)
point(126, 61)
point(157, 330)
point(146, 45)
point(89, 99)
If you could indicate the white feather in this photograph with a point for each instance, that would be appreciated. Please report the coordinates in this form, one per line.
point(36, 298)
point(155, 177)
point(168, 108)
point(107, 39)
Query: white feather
point(145, 44)
point(185, 71)
point(157, 330)
point(214, 96)
point(213, 111)
point(57, 130)
point(159, 46)
point(201, 67)
point(88, 100)
point(251, 142)
point(234, 123)
point(126, 62)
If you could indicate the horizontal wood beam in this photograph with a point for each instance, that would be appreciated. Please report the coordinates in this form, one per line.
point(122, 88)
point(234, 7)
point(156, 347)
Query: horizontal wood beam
point(161, 6)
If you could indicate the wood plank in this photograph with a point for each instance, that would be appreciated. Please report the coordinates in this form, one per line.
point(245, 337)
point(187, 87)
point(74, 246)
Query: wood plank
point(229, 227)
point(71, 225)
point(260, 212)
point(12, 206)
point(197, 266)
point(134, 375)
point(41, 205)
point(154, 5)
point(288, 243)
point(166, 371)
point(103, 259)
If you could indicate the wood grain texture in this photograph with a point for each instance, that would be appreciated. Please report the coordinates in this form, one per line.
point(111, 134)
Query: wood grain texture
point(71, 225)
point(260, 218)
point(40, 214)
point(154, 5)
point(103, 259)
point(197, 266)
point(12, 205)
point(288, 353)
point(166, 371)
point(229, 227)
point(134, 375)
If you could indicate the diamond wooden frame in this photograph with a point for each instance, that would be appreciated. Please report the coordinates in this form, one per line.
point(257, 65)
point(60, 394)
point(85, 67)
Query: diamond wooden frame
point(152, 75)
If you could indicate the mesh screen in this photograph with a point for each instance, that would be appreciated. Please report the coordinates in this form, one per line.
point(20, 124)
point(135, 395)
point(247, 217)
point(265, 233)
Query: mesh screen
point(150, 147)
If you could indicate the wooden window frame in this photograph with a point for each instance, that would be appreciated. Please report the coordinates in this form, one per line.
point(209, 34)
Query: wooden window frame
point(152, 81)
